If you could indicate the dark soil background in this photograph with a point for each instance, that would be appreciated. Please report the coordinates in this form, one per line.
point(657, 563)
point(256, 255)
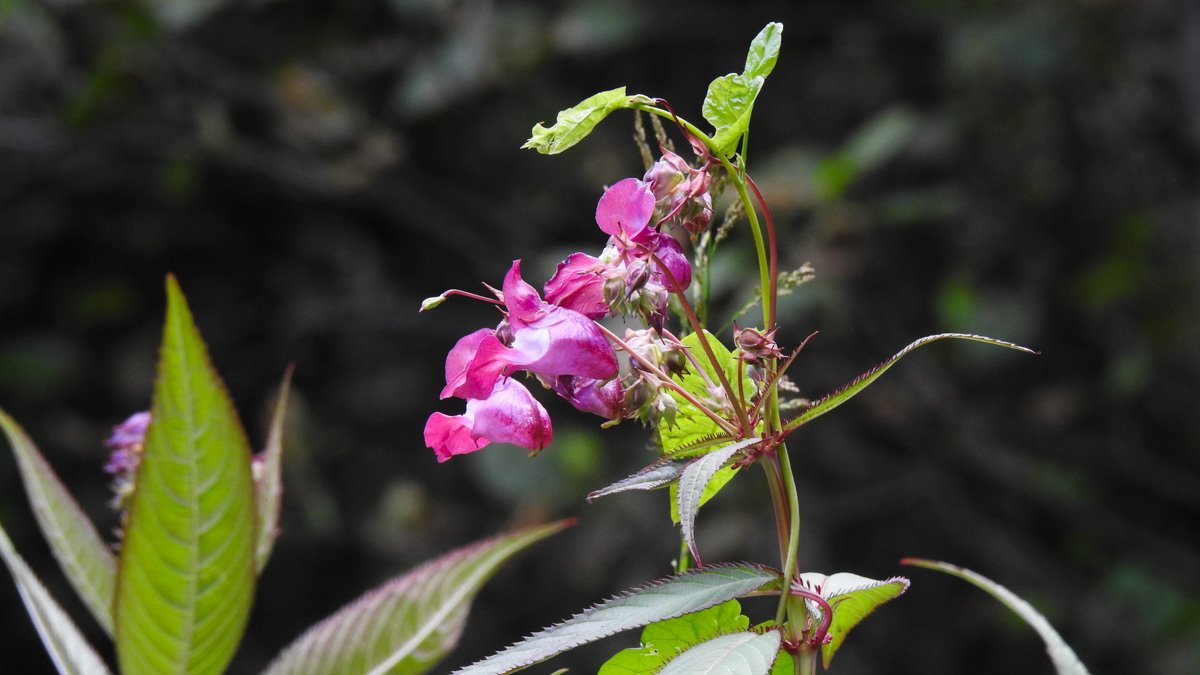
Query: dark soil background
point(311, 170)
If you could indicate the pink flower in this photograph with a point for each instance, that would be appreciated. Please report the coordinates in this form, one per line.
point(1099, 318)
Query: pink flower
point(509, 414)
point(578, 284)
point(625, 209)
point(126, 441)
point(599, 397)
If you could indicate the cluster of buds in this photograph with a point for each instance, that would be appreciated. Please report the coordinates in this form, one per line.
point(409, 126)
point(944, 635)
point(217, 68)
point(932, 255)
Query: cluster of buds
point(126, 444)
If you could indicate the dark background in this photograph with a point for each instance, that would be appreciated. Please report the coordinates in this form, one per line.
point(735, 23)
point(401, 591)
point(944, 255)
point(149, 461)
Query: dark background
point(312, 170)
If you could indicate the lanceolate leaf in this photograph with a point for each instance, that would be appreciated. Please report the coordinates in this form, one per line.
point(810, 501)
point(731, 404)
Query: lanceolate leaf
point(85, 558)
point(848, 392)
point(571, 126)
point(409, 623)
point(764, 50)
point(268, 479)
point(746, 653)
point(662, 641)
point(852, 598)
point(186, 572)
point(694, 482)
point(652, 477)
point(65, 644)
point(1065, 660)
point(658, 601)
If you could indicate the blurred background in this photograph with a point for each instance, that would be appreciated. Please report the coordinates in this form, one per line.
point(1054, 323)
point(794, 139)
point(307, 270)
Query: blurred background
point(311, 170)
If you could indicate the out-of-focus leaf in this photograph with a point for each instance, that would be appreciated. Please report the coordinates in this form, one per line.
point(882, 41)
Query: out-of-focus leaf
point(65, 644)
point(852, 598)
point(745, 653)
point(661, 641)
point(186, 573)
point(848, 392)
point(1066, 662)
point(575, 123)
point(409, 623)
point(695, 482)
point(85, 558)
point(657, 601)
point(268, 479)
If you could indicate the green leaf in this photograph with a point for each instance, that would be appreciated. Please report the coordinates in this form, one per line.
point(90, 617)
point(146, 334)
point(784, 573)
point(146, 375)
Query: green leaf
point(694, 431)
point(573, 125)
point(66, 646)
point(84, 556)
point(268, 480)
point(852, 598)
point(664, 471)
point(663, 640)
point(1066, 662)
point(657, 601)
point(764, 50)
point(746, 653)
point(728, 105)
point(409, 623)
point(186, 573)
point(848, 392)
point(695, 482)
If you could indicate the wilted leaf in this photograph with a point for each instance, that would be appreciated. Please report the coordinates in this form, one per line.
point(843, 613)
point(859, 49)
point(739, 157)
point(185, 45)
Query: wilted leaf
point(85, 558)
point(186, 573)
point(409, 623)
point(657, 601)
point(848, 392)
point(66, 646)
point(1066, 662)
point(745, 653)
point(575, 123)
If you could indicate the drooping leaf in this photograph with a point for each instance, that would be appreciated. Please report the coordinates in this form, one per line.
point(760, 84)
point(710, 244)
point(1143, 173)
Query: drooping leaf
point(764, 50)
point(852, 598)
point(728, 106)
point(848, 392)
point(665, 599)
point(695, 481)
point(745, 653)
point(268, 479)
point(409, 623)
point(663, 640)
point(68, 649)
point(85, 558)
point(574, 124)
point(653, 476)
point(186, 572)
point(1066, 662)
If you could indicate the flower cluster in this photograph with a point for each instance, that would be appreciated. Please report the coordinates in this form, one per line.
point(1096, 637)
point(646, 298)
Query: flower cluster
point(557, 340)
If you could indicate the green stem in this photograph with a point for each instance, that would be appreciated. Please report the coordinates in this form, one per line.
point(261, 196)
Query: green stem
point(806, 661)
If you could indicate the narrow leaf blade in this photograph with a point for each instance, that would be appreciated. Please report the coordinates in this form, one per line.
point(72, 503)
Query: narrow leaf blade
point(764, 50)
point(268, 479)
point(84, 556)
point(851, 390)
point(651, 477)
point(186, 572)
point(744, 653)
point(409, 623)
point(657, 601)
point(573, 125)
point(1066, 662)
point(66, 646)
point(694, 483)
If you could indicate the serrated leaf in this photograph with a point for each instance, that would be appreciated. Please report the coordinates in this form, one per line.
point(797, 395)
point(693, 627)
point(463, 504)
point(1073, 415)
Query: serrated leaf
point(848, 392)
point(746, 653)
point(186, 572)
point(651, 477)
point(84, 556)
point(657, 601)
point(575, 123)
point(852, 598)
point(268, 479)
point(663, 640)
point(694, 483)
point(68, 649)
point(764, 50)
point(1066, 662)
point(409, 623)
point(728, 106)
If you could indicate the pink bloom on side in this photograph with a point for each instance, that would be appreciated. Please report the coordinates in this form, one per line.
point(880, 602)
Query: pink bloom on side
point(625, 209)
point(578, 284)
point(509, 415)
point(599, 397)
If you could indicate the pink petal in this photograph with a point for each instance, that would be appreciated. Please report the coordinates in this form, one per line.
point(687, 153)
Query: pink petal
point(512, 415)
point(449, 436)
point(625, 208)
point(563, 342)
point(522, 300)
point(578, 284)
point(474, 364)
